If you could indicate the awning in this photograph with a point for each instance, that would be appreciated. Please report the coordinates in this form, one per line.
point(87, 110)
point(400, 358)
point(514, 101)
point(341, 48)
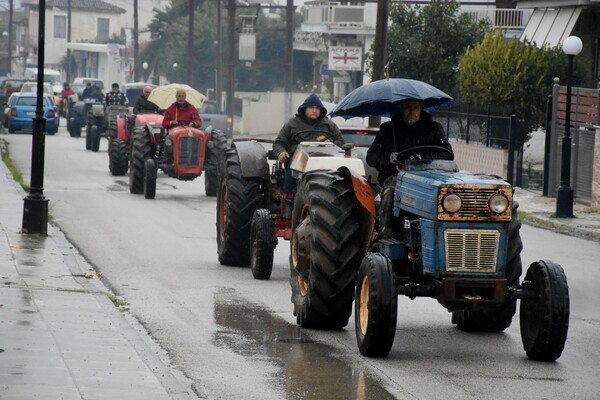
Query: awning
point(550, 26)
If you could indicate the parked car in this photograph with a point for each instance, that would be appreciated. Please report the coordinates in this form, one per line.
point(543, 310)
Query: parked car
point(7, 105)
point(31, 87)
point(10, 86)
point(84, 80)
point(22, 112)
point(359, 135)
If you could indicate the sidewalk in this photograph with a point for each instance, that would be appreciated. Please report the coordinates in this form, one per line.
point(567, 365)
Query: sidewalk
point(61, 337)
point(540, 212)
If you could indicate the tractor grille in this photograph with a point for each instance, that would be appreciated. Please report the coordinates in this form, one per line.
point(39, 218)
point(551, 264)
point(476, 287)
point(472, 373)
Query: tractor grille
point(471, 250)
point(475, 203)
point(189, 151)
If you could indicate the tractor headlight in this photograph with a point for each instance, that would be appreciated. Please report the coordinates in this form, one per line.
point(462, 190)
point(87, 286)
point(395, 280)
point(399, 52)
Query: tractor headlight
point(168, 141)
point(451, 202)
point(498, 203)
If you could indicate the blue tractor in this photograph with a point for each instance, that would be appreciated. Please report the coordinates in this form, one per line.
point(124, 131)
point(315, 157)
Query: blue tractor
point(456, 239)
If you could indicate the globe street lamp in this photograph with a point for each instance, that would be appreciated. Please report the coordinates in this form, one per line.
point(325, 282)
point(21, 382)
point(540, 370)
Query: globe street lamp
point(564, 198)
point(145, 67)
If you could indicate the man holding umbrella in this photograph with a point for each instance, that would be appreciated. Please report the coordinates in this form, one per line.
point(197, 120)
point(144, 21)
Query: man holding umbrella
point(181, 112)
point(410, 127)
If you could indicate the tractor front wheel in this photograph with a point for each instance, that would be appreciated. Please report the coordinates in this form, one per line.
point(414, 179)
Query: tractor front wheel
point(544, 313)
point(376, 306)
point(263, 245)
point(150, 174)
point(119, 159)
point(95, 137)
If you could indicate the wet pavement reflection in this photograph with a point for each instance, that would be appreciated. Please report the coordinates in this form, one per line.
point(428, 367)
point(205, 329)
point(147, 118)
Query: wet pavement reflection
point(307, 370)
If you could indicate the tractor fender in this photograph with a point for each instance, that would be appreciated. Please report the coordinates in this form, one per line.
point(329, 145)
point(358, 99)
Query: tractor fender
point(98, 110)
point(362, 190)
point(367, 212)
point(253, 159)
point(122, 132)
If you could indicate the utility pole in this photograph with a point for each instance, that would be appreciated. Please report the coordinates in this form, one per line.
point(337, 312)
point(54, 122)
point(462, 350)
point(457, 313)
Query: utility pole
point(230, 57)
point(289, 51)
point(69, 78)
point(190, 44)
point(380, 44)
point(219, 66)
point(136, 44)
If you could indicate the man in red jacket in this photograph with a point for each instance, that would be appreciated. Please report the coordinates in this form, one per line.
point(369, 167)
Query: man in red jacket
point(181, 113)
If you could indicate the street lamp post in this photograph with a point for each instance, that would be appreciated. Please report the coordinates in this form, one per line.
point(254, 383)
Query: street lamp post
point(175, 65)
point(564, 198)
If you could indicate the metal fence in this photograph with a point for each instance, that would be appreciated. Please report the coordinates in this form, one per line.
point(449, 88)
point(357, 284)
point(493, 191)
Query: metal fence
point(491, 126)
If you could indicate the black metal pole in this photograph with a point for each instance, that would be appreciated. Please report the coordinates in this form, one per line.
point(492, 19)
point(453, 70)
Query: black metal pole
point(380, 45)
point(10, 37)
point(218, 86)
point(547, 145)
point(69, 72)
point(35, 210)
point(510, 174)
point(564, 197)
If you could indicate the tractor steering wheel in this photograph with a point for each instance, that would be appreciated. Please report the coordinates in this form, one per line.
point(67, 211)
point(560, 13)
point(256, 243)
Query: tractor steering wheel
point(303, 136)
point(413, 150)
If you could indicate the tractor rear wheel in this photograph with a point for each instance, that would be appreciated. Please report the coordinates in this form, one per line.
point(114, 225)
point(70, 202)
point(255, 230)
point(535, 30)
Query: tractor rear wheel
point(496, 318)
point(261, 239)
point(376, 306)
point(118, 157)
point(237, 200)
point(140, 152)
point(326, 250)
point(215, 154)
point(544, 315)
point(150, 173)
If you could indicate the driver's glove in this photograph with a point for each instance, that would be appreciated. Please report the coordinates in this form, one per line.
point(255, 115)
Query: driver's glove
point(415, 156)
point(394, 157)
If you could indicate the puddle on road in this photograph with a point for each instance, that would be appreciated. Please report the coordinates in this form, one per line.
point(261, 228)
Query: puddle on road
point(307, 370)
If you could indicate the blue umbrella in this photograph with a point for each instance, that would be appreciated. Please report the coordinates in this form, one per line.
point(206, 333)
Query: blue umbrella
point(381, 98)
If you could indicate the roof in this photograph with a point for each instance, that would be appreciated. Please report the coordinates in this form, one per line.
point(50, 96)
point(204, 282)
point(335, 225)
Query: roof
point(86, 5)
point(551, 26)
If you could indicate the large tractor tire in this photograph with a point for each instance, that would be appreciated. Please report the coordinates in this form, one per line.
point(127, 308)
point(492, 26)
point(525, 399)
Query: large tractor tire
point(118, 157)
point(237, 200)
point(263, 244)
point(141, 148)
point(216, 152)
point(496, 318)
point(544, 315)
point(376, 306)
point(326, 250)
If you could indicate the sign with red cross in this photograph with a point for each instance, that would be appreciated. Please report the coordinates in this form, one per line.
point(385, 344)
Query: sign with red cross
point(345, 58)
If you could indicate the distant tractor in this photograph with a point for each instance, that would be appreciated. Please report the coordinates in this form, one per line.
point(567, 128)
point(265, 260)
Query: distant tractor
point(182, 152)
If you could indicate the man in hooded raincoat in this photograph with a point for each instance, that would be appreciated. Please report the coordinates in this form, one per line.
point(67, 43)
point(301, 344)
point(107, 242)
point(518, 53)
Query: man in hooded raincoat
point(312, 119)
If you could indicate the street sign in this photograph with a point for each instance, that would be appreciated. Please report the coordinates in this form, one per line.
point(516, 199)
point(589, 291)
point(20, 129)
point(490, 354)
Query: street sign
point(345, 58)
point(325, 69)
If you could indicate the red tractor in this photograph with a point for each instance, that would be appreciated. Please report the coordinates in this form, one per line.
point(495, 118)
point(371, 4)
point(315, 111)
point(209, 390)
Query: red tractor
point(181, 152)
point(119, 138)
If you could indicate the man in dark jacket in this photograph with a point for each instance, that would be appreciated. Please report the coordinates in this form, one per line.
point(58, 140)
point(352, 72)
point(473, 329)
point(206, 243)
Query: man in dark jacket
point(410, 127)
point(312, 120)
point(115, 97)
point(142, 104)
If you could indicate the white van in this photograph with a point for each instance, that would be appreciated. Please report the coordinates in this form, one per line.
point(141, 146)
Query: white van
point(51, 76)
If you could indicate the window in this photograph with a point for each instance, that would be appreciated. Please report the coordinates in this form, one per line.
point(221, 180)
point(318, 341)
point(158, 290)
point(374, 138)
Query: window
point(103, 28)
point(60, 26)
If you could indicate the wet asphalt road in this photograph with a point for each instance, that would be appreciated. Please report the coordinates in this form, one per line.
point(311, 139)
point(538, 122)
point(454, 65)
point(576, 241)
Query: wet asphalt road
point(235, 337)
